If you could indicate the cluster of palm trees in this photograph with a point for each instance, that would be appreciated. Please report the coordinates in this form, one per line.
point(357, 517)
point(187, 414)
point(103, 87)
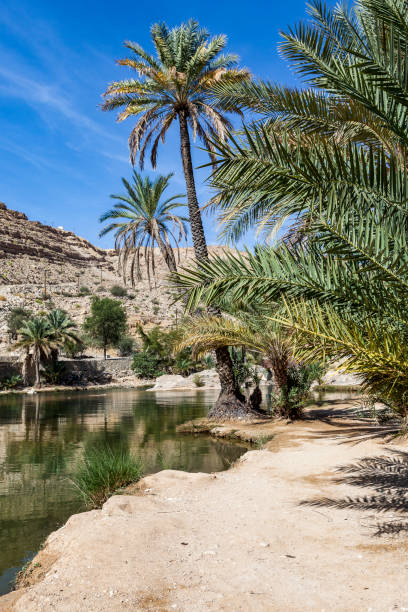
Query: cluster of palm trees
point(326, 162)
point(42, 338)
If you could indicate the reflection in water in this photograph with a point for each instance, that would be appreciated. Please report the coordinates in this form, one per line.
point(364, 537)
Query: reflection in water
point(43, 436)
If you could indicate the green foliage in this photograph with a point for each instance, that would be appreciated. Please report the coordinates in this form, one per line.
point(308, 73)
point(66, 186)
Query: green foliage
point(15, 319)
point(289, 400)
point(147, 365)
point(84, 290)
point(118, 291)
point(73, 348)
point(198, 380)
point(331, 159)
point(54, 372)
point(12, 382)
point(156, 357)
point(103, 471)
point(126, 346)
point(107, 323)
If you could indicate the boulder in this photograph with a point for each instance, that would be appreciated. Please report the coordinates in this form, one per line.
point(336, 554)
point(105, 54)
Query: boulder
point(337, 378)
point(171, 381)
point(210, 379)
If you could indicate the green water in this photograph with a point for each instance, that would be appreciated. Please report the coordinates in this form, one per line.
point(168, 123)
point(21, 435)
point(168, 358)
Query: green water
point(43, 436)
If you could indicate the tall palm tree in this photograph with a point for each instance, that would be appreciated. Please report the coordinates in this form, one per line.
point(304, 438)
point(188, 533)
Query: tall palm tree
point(140, 220)
point(176, 86)
point(37, 336)
point(345, 286)
point(63, 329)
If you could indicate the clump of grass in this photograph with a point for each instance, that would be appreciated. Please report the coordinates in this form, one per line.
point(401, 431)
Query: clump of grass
point(262, 440)
point(103, 471)
point(198, 380)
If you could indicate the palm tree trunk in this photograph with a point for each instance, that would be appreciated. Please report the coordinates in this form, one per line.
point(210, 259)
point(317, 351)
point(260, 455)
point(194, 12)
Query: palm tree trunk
point(230, 403)
point(37, 370)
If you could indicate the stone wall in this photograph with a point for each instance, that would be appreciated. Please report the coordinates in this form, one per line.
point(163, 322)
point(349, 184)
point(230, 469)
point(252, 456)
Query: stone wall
point(79, 370)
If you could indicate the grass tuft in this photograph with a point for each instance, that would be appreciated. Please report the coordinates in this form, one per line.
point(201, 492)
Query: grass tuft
point(103, 471)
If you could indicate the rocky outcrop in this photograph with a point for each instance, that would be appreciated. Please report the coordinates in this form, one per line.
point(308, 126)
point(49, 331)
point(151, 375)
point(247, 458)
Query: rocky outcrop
point(29, 248)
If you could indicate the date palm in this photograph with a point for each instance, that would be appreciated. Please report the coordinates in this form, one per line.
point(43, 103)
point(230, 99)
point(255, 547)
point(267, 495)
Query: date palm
point(37, 336)
point(140, 219)
point(63, 329)
point(176, 86)
point(345, 285)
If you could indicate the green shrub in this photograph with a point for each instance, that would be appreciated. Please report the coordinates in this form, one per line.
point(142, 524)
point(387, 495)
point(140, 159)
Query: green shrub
point(104, 470)
point(156, 310)
point(84, 290)
point(12, 382)
point(155, 301)
point(147, 365)
point(118, 291)
point(198, 380)
point(73, 348)
point(126, 346)
point(291, 399)
point(54, 372)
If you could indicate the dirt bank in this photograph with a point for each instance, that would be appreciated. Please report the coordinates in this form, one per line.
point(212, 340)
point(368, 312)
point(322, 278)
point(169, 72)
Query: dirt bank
point(284, 529)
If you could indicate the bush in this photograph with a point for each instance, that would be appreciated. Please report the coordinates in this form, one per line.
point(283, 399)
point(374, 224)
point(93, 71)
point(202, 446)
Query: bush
point(54, 372)
point(156, 310)
point(84, 290)
point(12, 382)
point(198, 380)
point(126, 346)
point(118, 291)
point(73, 348)
point(103, 471)
point(147, 365)
point(291, 399)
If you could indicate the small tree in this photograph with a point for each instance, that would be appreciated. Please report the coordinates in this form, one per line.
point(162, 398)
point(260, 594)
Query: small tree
point(16, 319)
point(107, 322)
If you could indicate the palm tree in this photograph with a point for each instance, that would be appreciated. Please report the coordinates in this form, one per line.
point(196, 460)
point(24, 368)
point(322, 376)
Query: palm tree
point(140, 220)
point(37, 336)
point(258, 334)
point(176, 86)
point(63, 329)
point(343, 180)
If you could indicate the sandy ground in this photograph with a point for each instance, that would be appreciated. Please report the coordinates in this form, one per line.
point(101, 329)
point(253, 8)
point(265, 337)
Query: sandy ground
point(284, 529)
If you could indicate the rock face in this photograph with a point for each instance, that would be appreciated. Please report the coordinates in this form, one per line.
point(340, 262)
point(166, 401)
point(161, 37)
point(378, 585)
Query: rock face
point(29, 248)
point(35, 257)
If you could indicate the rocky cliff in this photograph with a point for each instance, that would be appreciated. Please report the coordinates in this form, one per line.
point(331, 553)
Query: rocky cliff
point(43, 267)
point(29, 249)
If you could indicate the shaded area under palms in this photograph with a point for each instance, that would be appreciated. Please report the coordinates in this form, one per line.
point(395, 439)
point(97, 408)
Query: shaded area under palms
point(388, 477)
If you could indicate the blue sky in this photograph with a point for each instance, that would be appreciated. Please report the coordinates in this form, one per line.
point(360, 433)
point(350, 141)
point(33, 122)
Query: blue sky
point(60, 156)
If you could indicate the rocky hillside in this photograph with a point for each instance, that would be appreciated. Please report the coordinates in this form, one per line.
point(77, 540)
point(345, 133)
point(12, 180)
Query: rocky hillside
point(43, 267)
